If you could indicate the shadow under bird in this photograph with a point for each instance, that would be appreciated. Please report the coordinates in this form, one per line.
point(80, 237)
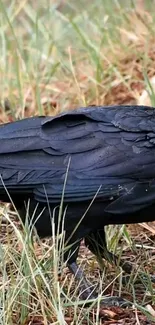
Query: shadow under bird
point(109, 156)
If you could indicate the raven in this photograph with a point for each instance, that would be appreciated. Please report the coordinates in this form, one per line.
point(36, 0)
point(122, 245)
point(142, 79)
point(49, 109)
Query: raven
point(102, 158)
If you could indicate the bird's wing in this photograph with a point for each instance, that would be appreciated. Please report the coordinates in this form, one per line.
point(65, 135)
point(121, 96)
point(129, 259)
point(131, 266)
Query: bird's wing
point(107, 149)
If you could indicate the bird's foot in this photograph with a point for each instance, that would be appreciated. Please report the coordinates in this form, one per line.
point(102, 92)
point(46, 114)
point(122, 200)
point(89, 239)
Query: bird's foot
point(88, 293)
point(141, 278)
point(145, 277)
point(115, 302)
point(104, 301)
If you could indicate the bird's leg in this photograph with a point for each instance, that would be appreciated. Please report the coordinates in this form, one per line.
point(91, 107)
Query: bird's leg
point(112, 258)
point(88, 291)
point(96, 242)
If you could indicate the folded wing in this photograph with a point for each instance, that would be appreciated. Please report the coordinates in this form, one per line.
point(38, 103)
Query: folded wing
point(109, 151)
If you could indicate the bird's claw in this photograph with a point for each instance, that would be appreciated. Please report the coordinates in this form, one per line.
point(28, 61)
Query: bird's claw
point(115, 301)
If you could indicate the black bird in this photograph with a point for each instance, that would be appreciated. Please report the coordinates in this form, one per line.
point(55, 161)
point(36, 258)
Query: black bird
point(103, 158)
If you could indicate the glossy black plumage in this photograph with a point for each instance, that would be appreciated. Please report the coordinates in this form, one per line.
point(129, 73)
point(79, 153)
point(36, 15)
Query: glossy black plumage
point(109, 151)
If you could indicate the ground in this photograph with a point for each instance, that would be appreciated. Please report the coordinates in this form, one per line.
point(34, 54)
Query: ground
point(57, 56)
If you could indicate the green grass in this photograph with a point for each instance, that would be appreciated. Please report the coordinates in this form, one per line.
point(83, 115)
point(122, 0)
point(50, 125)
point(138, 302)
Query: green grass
point(71, 57)
point(57, 55)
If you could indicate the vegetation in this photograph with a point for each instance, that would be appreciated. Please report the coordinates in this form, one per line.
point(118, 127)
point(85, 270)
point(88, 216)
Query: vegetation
point(58, 55)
